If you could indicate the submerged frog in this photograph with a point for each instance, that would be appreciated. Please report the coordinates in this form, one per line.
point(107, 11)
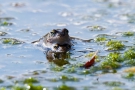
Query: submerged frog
point(57, 43)
point(58, 40)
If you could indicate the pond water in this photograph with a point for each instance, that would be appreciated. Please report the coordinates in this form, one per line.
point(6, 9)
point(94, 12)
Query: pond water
point(29, 20)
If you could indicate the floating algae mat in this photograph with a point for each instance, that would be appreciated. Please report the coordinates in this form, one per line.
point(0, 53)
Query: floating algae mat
point(107, 24)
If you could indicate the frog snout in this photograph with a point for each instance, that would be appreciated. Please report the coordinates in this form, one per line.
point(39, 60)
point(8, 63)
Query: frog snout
point(61, 34)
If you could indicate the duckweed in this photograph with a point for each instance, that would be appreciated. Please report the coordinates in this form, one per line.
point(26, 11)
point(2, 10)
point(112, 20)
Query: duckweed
point(68, 78)
point(129, 54)
point(112, 61)
point(115, 45)
point(2, 88)
point(129, 76)
point(19, 88)
point(113, 83)
point(34, 87)
point(108, 64)
point(64, 78)
point(28, 87)
point(64, 87)
point(6, 23)
point(128, 33)
point(11, 41)
point(85, 72)
point(100, 39)
point(57, 68)
point(130, 62)
point(30, 80)
point(116, 88)
point(96, 28)
point(35, 73)
point(114, 56)
point(71, 70)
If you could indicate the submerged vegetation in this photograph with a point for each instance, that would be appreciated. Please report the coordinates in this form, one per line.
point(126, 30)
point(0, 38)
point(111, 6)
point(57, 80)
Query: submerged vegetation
point(96, 28)
point(129, 33)
point(23, 68)
point(11, 41)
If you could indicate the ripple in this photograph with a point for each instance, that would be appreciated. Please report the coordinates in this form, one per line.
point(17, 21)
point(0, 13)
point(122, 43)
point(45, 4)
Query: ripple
point(61, 24)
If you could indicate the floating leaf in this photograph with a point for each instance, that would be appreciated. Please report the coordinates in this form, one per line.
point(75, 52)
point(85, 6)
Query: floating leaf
point(91, 61)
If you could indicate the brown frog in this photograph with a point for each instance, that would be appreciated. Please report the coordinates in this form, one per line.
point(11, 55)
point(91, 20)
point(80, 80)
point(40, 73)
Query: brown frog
point(58, 40)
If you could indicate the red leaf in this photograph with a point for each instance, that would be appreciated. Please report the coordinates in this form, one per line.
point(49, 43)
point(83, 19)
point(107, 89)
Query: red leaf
point(91, 61)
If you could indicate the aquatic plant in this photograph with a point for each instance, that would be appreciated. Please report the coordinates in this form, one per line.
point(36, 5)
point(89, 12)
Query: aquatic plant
point(100, 39)
point(113, 83)
point(129, 75)
point(115, 45)
point(108, 64)
point(28, 87)
point(57, 68)
point(11, 41)
point(129, 54)
point(5, 23)
point(30, 80)
point(114, 56)
point(112, 61)
point(129, 33)
point(95, 28)
point(64, 87)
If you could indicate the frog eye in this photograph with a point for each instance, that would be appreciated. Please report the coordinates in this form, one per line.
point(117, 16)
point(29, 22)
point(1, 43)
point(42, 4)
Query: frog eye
point(65, 30)
point(53, 32)
point(56, 46)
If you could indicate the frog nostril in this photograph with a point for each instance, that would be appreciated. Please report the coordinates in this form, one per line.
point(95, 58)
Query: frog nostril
point(61, 34)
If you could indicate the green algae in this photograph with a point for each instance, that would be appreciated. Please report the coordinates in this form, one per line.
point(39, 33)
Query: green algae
point(115, 45)
point(11, 41)
point(64, 87)
point(28, 87)
point(95, 28)
point(5, 23)
point(30, 80)
point(113, 83)
point(100, 39)
point(129, 33)
point(129, 54)
point(112, 61)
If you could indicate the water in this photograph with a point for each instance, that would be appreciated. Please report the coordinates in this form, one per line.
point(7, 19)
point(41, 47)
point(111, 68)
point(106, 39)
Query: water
point(41, 16)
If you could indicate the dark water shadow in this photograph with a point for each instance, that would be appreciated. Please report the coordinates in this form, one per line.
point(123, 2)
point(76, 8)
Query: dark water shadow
point(59, 58)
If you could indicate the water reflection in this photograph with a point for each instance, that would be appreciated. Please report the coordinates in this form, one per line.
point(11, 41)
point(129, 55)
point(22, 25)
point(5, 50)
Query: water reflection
point(59, 58)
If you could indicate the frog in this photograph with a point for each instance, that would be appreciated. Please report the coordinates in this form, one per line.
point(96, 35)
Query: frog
point(58, 44)
point(58, 40)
